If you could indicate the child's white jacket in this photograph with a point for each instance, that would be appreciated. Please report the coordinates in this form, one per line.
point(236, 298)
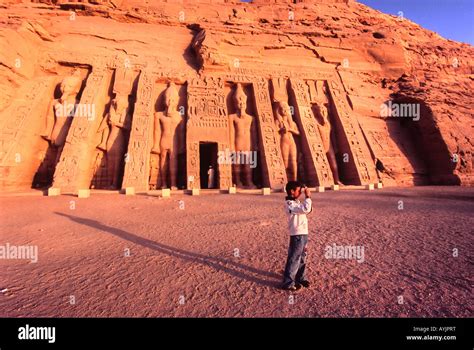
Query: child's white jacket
point(296, 211)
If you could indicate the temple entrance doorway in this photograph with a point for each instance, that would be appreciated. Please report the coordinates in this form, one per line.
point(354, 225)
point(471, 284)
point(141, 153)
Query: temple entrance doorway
point(208, 167)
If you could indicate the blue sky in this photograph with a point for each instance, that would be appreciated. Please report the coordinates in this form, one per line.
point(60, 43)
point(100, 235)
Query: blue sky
point(452, 19)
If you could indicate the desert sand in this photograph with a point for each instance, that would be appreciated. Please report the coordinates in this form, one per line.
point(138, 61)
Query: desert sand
point(223, 255)
point(352, 94)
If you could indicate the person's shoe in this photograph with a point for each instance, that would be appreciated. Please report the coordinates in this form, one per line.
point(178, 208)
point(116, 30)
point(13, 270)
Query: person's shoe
point(304, 283)
point(292, 288)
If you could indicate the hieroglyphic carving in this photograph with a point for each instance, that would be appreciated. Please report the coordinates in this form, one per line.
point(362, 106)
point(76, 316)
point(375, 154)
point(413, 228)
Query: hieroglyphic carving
point(14, 126)
point(21, 149)
point(206, 103)
point(192, 165)
point(382, 144)
point(73, 170)
point(319, 165)
point(225, 170)
point(208, 122)
point(137, 162)
point(283, 72)
point(163, 73)
point(274, 175)
point(358, 148)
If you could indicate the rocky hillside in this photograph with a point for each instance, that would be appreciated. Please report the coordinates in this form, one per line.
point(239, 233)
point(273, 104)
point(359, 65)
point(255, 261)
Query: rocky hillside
point(378, 58)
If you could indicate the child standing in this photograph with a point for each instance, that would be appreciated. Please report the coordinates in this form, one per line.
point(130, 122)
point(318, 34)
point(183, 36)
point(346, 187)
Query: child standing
point(294, 276)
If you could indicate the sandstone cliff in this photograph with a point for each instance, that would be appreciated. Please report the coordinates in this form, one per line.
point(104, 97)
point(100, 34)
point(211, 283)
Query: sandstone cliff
point(365, 58)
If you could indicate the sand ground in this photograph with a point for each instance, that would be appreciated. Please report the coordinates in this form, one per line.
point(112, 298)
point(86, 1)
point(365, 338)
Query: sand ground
point(223, 255)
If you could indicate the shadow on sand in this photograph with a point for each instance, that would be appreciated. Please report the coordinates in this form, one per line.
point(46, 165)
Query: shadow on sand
point(230, 267)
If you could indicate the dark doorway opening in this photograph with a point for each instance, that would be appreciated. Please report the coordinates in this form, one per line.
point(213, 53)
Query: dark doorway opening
point(209, 171)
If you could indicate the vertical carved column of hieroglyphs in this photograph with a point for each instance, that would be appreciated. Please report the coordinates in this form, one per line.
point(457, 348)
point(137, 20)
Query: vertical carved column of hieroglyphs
point(225, 169)
point(20, 125)
point(73, 171)
point(192, 164)
point(196, 105)
point(138, 155)
point(319, 166)
point(274, 174)
point(360, 153)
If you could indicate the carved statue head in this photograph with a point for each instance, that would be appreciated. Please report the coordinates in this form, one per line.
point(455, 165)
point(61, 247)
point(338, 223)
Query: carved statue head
point(284, 109)
point(240, 98)
point(171, 96)
point(321, 110)
point(71, 84)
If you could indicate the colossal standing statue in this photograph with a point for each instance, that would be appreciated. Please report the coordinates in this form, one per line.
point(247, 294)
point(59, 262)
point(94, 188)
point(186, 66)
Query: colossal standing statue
point(287, 128)
point(243, 139)
point(114, 129)
point(168, 138)
point(63, 110)
point(325, 129)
